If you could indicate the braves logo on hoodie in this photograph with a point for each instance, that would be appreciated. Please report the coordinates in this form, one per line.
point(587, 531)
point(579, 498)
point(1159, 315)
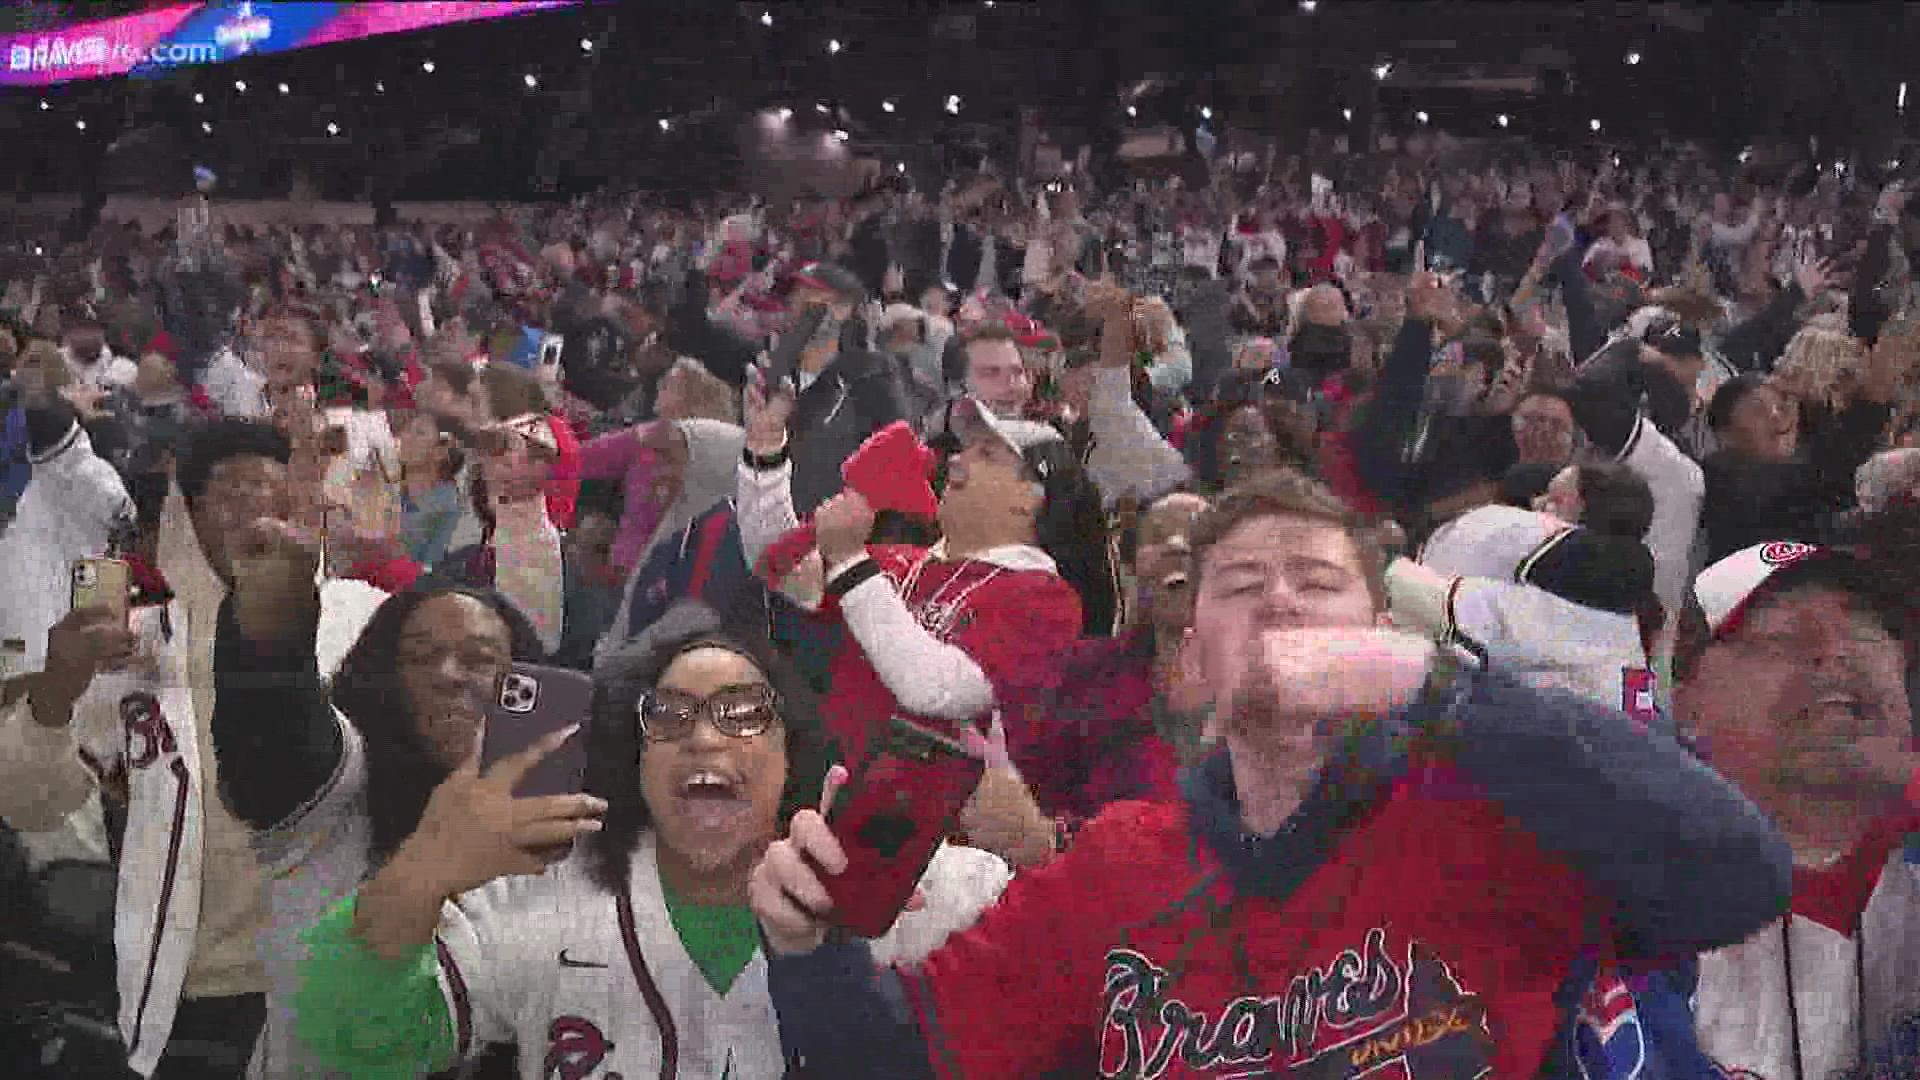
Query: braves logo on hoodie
point(1361, 1014)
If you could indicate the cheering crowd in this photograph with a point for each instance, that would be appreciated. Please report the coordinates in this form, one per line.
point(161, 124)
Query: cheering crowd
point(1399, 617)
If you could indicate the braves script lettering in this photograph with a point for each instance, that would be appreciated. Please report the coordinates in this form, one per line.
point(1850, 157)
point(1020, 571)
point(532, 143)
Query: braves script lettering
point(1354, 987)
point(1358, 1014)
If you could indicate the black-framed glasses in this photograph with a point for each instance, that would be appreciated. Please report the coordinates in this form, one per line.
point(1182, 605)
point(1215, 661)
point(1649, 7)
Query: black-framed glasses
point(740, 712)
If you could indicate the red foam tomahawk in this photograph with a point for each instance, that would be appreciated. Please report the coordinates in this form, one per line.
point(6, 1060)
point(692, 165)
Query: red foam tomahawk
point(892, 470)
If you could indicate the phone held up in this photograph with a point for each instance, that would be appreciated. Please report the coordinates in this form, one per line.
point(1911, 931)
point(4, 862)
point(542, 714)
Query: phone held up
point(897, 808)
point(101, 583)
point(531, 702)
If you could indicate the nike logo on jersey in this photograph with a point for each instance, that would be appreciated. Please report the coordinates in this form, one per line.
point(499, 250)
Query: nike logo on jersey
point(569, 962)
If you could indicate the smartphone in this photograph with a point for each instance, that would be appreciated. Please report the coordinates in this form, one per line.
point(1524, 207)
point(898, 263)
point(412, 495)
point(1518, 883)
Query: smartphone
point(106, 583)
point(533, 701)
point(890, 818)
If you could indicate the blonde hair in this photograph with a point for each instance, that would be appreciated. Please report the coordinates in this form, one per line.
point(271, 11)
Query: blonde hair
point(44, 357)
point(1819, 364)
point(1885, 477)
point(704, 394)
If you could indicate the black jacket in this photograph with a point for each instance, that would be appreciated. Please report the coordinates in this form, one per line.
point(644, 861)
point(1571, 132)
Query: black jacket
point(1751, 502)
point(856, 395)
point(690, 332)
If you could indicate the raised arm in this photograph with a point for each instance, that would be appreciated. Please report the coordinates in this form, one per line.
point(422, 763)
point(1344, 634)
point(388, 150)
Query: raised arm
point(1129, 458)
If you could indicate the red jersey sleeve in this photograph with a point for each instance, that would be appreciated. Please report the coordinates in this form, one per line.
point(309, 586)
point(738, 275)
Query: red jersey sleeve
point(1019, 993)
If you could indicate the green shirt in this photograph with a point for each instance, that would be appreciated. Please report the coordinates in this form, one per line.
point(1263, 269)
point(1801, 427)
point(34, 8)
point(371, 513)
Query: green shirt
point(720, 938)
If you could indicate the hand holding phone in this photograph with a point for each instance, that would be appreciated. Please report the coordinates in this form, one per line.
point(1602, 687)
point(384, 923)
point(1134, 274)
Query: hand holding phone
point(896, 809)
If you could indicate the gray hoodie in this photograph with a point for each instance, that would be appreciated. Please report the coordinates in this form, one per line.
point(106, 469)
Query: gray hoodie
point(713, 455)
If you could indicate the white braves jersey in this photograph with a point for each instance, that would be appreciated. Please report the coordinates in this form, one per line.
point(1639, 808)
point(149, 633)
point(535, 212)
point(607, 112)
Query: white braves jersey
point(1848, 988)
point(591, 987)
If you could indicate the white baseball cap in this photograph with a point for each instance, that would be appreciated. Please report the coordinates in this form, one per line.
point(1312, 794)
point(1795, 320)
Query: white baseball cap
point(1018, 434)
point(1725, 589)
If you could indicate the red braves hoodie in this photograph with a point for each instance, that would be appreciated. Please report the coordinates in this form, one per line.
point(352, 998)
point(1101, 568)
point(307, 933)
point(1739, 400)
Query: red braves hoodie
point(1419, 916)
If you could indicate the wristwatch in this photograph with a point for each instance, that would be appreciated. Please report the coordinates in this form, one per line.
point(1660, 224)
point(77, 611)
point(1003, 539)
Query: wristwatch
point(764, 462)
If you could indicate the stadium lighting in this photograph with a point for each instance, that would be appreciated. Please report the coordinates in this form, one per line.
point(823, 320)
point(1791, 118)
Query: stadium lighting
point(426, 66)
point(586, 44)
point(1131, 111)
point(666, 124)
point(1381, 71)
point(206, 128)
point(766, 18)
point(1308, 6)
point(80, 125)
point(953, 104)
point(199, 98)
point(834, 47)
point(1633, 58)
point(532, 80)
point(333, 128)
point(1347, 115)
point(240, 85)
point(1503, 120)
point(44, 106)
point(284, 88)
point(1594, 123)
point(1421, 116)
point(887, 106)
point(380, 88)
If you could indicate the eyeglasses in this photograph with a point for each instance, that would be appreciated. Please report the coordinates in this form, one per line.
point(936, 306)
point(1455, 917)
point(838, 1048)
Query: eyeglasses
point(740, 712)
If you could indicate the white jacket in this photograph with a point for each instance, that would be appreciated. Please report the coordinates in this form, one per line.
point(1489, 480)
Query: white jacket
point(139, 728)
point(1853, 974)
point(1678, 489)
point(1128, 458)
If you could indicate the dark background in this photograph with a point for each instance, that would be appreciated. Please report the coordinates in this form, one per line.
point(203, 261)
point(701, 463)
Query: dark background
point(1724, 74)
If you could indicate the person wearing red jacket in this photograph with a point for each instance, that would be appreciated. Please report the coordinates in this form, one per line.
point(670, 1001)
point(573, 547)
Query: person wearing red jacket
point(1115, 720)
point(938, 632)
point(1394, 868)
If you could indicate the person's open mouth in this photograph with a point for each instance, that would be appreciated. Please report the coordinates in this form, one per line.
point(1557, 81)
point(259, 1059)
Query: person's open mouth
point(713, 800)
